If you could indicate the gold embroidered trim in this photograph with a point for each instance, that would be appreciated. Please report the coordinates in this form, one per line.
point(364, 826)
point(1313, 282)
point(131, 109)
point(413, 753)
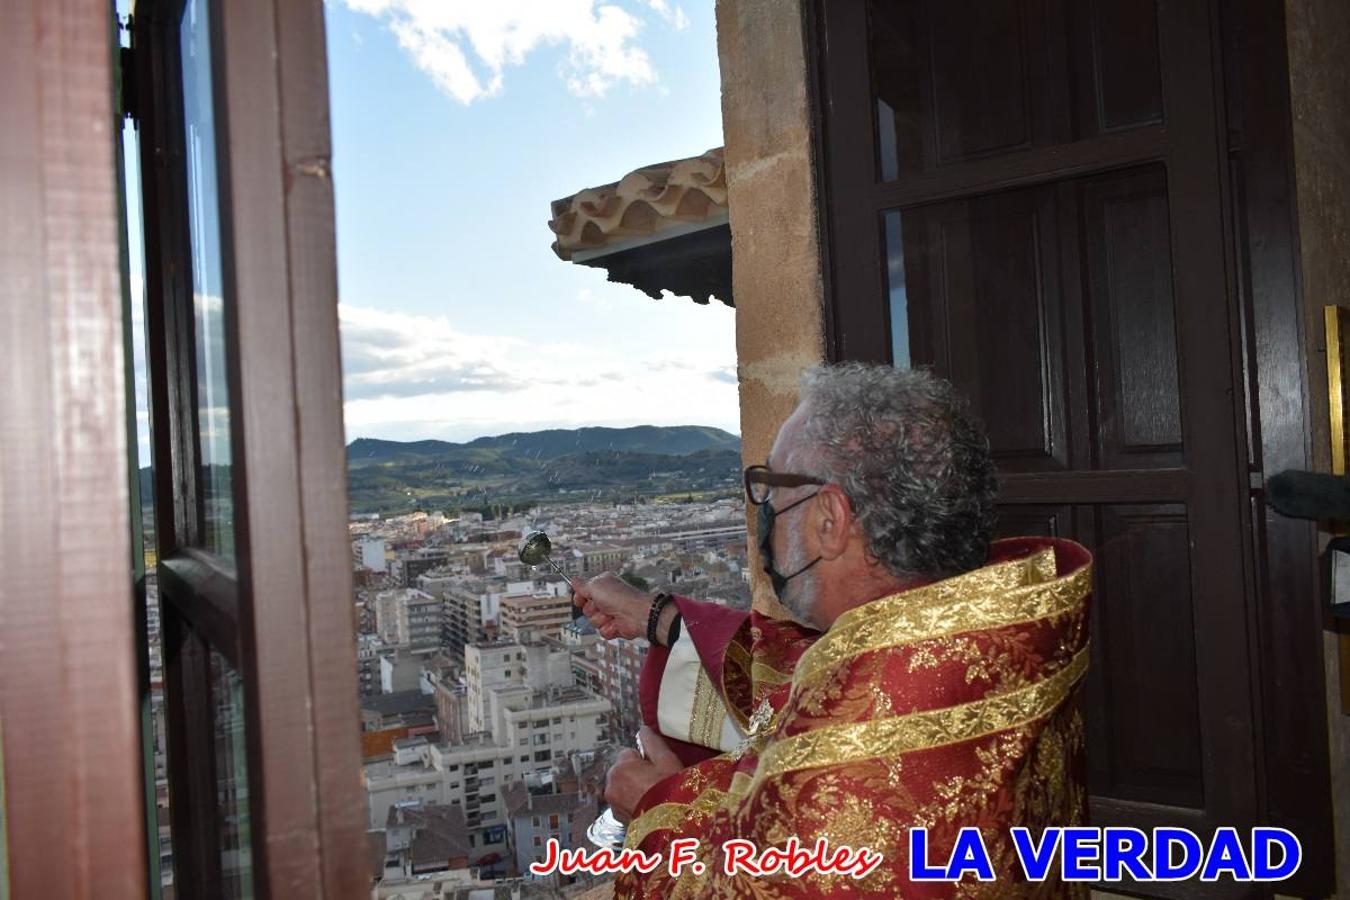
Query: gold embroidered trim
point(707, 713)
point(948, 607)
point(1043, 565)
point(1002, 576)
point(737, 655)
point(667, 816)
point(839, 744)
point(762, 673)
point(736, 659)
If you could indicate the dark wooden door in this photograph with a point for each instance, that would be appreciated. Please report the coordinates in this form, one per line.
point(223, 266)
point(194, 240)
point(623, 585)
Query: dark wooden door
point(1029, 197)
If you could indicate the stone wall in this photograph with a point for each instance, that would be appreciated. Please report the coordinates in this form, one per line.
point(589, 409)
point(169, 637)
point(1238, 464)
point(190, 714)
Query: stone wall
point(770, 192)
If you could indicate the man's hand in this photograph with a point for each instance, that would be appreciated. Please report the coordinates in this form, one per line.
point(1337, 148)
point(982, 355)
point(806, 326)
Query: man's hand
point(615, 607)
point(631, 775)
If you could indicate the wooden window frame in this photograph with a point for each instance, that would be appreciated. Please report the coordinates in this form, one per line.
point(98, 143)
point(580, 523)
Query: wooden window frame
point(73, 774)
point(282, 616)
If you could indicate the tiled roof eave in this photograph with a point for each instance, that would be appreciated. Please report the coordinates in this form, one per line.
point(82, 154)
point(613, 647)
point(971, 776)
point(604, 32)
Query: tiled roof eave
point(674, 196)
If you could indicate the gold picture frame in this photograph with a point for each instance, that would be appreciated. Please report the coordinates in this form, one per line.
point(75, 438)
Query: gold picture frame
point(1337, 319)
point(1338, 382)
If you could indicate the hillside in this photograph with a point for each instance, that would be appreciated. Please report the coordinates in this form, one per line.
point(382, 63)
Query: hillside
point(503, 480)
point(526, 467)
point(545, 445)
point(517, 469)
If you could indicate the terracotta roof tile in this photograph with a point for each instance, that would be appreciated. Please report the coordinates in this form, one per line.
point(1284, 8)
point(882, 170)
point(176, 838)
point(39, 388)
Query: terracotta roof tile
point(643, 202)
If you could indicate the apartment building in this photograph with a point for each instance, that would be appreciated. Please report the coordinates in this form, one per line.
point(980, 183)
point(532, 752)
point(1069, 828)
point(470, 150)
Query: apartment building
point(523, 718)
point(540, 612)
point(536, 817)
point(408, 565)
point(409, 616)
point(401, 667)
point(534, 729)
point(386, 616)
point(371, 554)
point(602, 558)
point(469, 607)
point(420, 619)
point(439, 580)
point(618, 667)
point(368, 664)
point(452, 707)
point(419, 839)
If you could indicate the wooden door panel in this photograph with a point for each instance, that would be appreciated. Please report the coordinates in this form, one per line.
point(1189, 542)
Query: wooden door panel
point(985, 306)
point(992, 296)
point(978, 110)
point(1142, 685)
point(1116, 54)
point(1016, 328)
point(934, 108)
point(1042, 520)
point(1129, 277)
point(961, 80)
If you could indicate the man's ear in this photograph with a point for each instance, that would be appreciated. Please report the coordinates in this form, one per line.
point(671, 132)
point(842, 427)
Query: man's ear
point(834, 522)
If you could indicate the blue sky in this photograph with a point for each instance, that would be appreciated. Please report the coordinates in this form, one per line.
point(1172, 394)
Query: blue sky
point(454, 126)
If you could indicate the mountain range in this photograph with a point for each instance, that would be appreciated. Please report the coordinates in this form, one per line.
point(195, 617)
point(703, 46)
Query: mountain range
point(525, 467)
point(521, 468)
point(544, 445)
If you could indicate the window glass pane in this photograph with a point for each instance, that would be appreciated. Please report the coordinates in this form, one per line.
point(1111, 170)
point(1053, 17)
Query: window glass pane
point(236, 854)
point(898, 296)
point(149, 660)
point(213, 399)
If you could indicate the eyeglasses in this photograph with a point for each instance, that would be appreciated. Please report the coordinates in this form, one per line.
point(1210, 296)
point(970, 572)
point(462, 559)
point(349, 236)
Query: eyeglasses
point(761, 480)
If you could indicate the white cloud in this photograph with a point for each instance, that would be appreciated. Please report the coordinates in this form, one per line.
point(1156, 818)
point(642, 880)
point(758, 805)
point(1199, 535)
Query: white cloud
point(466, 46)
point(674, 15)
point(414, 376)
point(726, 374)
point(390, 354)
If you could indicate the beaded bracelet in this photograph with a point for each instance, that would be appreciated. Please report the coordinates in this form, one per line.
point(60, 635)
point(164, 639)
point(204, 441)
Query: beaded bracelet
point(658, 604)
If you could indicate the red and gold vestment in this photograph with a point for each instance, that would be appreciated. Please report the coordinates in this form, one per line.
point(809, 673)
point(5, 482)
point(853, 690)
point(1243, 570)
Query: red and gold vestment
point(947, 705)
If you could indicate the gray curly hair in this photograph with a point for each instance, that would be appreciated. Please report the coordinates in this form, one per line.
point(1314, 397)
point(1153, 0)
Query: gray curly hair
point(914, 462)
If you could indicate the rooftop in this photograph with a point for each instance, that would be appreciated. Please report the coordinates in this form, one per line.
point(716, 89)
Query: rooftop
point(553, 696)
point(439, 832)
point(520, 801)
point(398, 703)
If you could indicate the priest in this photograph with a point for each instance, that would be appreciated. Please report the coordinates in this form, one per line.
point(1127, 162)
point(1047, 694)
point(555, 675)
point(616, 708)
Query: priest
point(926, 676)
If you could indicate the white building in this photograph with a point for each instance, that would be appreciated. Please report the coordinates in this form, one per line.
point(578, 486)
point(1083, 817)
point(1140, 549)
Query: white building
point(488, 668)
point(372, 550)
point(409, 616)
point(530, 730)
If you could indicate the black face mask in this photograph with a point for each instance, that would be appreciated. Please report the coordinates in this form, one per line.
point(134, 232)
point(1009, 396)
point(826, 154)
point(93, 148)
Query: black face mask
point(767, 515)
